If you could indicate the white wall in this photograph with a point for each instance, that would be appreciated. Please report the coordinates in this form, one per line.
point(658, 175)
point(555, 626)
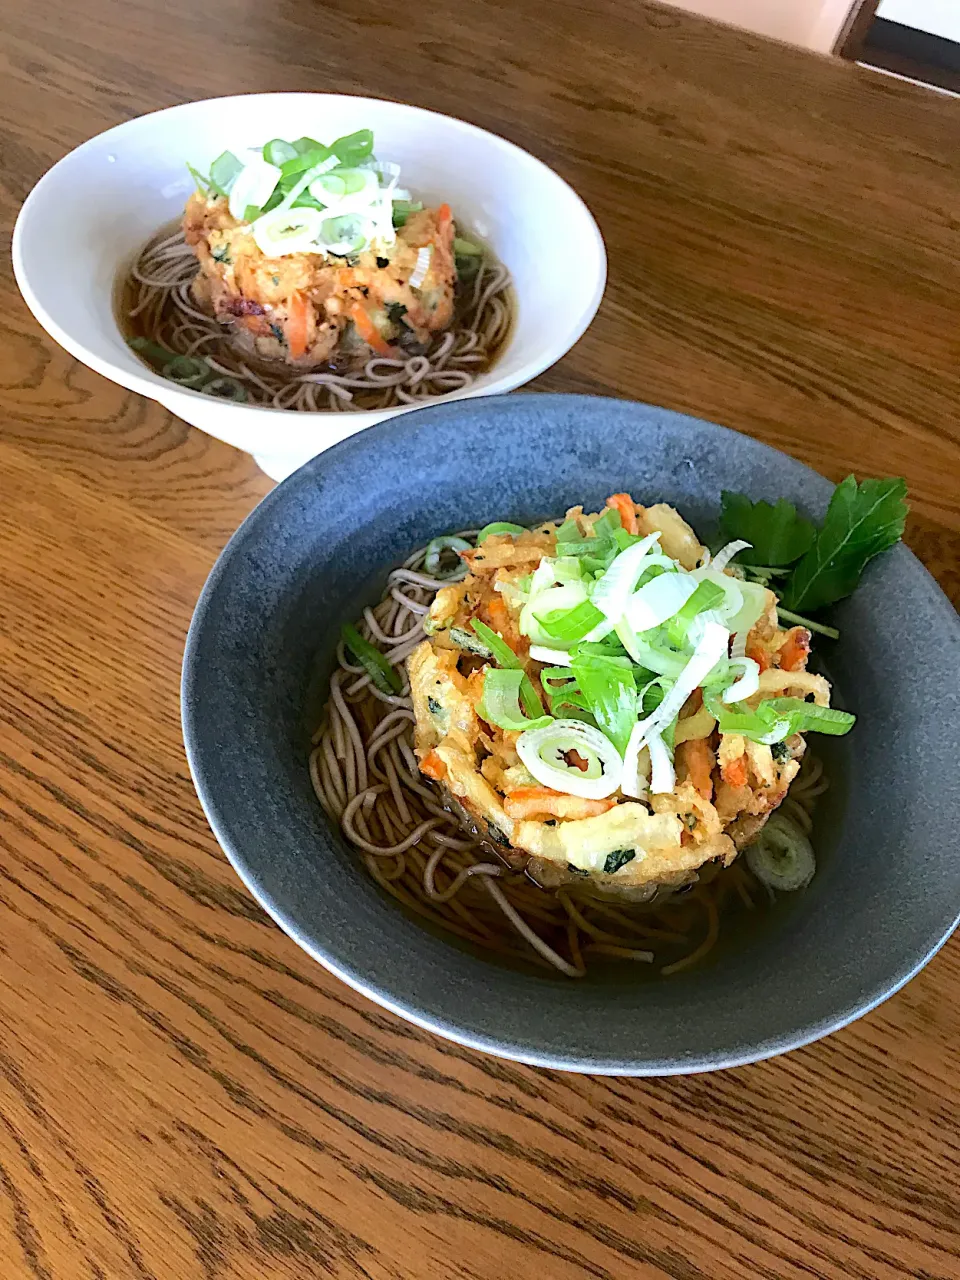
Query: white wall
point(814, 24)
point(939, 17)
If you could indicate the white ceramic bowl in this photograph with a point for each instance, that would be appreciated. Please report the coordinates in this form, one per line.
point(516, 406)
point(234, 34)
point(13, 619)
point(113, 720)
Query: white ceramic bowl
point(85, 220)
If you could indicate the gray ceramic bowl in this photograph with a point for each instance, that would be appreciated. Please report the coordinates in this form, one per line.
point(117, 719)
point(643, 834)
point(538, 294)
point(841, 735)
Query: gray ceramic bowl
point(887, 892)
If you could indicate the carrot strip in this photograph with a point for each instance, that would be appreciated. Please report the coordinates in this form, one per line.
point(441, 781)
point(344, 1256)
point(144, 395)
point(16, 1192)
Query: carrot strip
point(735, 772)
point(433, 766)
point(795, 650)
point(298, 318)
point(624, 505)
point(698, 757)
point(526, 802)
point(368, 331)
point(759, 656)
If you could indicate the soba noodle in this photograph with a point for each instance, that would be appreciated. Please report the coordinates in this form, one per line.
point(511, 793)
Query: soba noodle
point(366, 777)
point(158, 305)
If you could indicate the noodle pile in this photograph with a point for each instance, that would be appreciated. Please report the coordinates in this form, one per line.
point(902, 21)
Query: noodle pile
point(160, 306)
point(366, 777)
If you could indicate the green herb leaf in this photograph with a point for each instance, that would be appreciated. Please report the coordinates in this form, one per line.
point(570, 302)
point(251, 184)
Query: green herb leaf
point(619, 858)
point(862, 520)
point(778, 535)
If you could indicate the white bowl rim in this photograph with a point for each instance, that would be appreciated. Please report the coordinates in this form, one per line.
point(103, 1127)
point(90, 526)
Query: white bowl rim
point(149, 384)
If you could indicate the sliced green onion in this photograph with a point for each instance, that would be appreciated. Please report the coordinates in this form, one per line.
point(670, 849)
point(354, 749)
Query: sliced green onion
point(610, 693)
point(279, 152)
point(303, 146)
point(353, 147)
point(345, 234)
point(619, 582)
point(706, 596)
point(746, 684)
point(564, 696)
point(292, 169)
point(499, 649)
point(711, 648)
point(224, 171)
point(402, 210)
point(466, 248)
point(798, 620)
point(203, 185)
point(608, 647)
point(597, 553)
point(760, 726)
point(726, 553)
point(652, 649)
point(383, 675)
point(608, 523)
point(624, 539)
point(499, 526)
point(303, 201)
point(187, 371)
point(778, 718)
point(356, 181)
point(544, 751)
point(570, 625)
point(503, 692)
point(807, 717)
point(152, 351)
point(545, 599)
point(663, 777)
point(782, 857)
point(653, 693)
point(251, 188)
point(331, 185)
point(433, 560)
point(654, 603)
point(226, 389)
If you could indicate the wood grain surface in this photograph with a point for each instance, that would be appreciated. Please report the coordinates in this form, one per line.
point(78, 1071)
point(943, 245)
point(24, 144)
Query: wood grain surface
point(184, 1095)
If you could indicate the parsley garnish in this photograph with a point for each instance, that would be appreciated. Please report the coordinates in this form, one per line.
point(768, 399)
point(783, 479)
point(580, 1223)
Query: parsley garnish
point(778, 535)
point(862, 520)
point(814, 567)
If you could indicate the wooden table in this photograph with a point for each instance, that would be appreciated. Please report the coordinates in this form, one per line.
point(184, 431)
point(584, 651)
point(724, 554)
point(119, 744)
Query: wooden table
point(183, 1094)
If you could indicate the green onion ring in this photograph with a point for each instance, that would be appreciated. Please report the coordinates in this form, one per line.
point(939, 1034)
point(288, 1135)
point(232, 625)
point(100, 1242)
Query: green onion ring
point(435, 550)
point(226, 389)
